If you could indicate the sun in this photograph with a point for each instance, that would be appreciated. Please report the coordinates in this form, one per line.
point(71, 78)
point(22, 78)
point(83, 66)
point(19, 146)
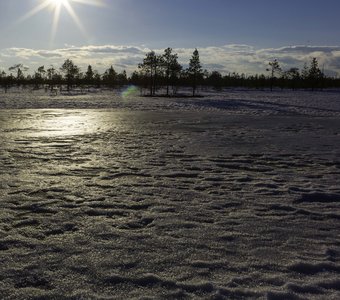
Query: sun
point(55, 6)
point(59, 2)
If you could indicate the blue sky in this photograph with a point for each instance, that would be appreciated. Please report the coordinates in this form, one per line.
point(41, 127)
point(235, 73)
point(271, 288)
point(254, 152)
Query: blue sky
point(261, 28)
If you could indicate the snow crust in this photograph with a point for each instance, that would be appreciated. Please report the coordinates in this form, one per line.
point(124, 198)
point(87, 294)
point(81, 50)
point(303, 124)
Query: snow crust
point(232, 196)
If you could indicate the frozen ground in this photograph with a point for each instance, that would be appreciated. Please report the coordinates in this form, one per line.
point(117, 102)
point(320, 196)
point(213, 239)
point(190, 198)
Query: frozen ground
point(231, 196)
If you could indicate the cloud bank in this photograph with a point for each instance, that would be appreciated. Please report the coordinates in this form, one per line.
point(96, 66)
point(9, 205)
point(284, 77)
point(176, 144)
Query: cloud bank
point(226, 59)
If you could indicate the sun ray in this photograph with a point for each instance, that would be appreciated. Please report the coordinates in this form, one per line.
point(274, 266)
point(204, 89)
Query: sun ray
point(91, 2)
point(55, 23)
point(75, 18)
point(56, 7)
point(34, 11)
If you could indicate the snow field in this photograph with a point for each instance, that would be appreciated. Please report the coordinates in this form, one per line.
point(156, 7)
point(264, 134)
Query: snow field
point(231, 196)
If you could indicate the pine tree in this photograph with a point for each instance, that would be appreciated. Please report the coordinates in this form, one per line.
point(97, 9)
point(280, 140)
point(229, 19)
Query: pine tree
point(171, 67)
point(20, 69)
point(110, 76)
point(71, 71)
point(274, 68)
point(151, 68)
point(314, 74)
point(89, 75)
point(293, 75)
point(195, 71)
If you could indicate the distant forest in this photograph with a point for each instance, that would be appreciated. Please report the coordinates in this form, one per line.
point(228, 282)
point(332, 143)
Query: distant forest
point(163, 72)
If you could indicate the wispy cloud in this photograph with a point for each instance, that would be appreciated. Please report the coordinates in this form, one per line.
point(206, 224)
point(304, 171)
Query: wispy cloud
point(227, 58)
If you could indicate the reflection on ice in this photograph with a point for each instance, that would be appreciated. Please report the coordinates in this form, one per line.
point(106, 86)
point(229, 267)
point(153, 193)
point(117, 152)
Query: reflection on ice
point(59, 123)
point(66, 124)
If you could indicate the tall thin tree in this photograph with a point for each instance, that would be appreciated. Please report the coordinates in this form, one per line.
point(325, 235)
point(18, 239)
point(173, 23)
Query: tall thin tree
point(171, 67)
point(274, 68)
point(195, 71)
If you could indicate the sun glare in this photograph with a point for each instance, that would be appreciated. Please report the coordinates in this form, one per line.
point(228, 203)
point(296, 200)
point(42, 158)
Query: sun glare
point(58, 2)
point(56, 6)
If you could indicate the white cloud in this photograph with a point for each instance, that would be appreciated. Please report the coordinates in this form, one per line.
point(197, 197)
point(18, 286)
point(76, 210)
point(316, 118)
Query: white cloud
point(226, 58)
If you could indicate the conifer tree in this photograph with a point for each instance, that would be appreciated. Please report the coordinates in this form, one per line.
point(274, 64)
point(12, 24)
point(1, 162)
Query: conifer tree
point(195, 71)
point(314, 74)
point(71, 71)
point(110, 76)
point(89, 75)
point(151, 68)
point(274, 68)
point(171, 67)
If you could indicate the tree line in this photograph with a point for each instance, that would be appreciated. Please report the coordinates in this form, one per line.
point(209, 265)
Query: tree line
point(69, 75)
point(163, 72)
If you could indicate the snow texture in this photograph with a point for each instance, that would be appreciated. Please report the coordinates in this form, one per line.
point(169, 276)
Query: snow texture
point(232, 196)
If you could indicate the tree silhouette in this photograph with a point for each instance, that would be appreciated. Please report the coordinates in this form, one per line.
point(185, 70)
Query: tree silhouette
point(39, 76)
point(71, 71)
point(151, 67)
point(19, 68)
point(274, 68)
point(314, 74)
point(292, 75)
point(194, 71)
point(164, 70)
point(97, 79)
point(110, 77)
point(53, 77)
point(5, 80)
point(171, 67)
point(122, 78)
point(89, 75)
point(41, 71)
point(215, 79)
point(50, 73)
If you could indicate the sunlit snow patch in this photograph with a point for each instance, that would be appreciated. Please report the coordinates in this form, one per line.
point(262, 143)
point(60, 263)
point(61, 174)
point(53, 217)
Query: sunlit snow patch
point(69, 122)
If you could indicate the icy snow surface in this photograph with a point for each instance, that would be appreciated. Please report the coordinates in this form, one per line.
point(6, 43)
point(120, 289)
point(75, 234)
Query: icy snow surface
point(232, 196)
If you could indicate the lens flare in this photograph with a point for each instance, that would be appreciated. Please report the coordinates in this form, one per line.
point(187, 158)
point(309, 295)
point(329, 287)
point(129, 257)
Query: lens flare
point(129, 91)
